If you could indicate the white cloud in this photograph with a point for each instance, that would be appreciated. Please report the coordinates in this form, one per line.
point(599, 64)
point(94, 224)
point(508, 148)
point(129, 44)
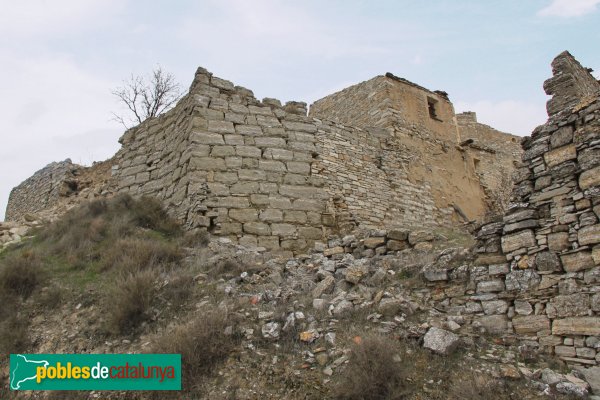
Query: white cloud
point(569, 8)
point(31, 17)
point(55, 110)
point(511, 116)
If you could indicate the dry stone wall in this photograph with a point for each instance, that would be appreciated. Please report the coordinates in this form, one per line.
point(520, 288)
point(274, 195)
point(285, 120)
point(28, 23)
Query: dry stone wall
point(537, 269)
point(451, 180)
point(368, 179)
point(225, 161)
point(42, 190)
point(266, 174)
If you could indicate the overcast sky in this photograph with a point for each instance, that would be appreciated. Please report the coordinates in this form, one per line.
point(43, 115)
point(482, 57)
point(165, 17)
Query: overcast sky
point(59, 59)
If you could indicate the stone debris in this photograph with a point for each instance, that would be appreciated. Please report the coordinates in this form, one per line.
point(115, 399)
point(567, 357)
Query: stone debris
point(260, 184)
point(440, 341)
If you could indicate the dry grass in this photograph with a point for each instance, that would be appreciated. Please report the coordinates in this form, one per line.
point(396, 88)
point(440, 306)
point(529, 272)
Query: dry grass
point(130, 255)
point(196, 238)
point(78, 235)
point(129, 300)
point(14, 336)
point(20, 273)
point(372, 372)
point(228, 269)
point(203, 345)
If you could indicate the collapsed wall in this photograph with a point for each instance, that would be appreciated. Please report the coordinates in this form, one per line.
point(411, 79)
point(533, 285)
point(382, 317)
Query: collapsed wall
point(42, 190)
point(537, 277)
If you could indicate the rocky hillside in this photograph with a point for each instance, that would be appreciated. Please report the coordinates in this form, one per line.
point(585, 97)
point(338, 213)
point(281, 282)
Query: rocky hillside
point(357, 317)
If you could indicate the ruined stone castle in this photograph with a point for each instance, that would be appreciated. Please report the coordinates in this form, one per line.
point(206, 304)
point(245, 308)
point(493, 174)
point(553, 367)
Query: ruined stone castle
point(537, 270)
point(382, 153)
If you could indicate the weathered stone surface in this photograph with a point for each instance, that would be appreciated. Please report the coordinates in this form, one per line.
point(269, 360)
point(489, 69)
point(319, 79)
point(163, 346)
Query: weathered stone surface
point(257, 228)
point(392, 306)
point(355, 273)
point(576, 326)
point(244, 214)
point(589, 234)
point(440, 341)
point(530, 325)
point(565, 351)
point(420, 236)
point(577, 261)
point(334, 250)
point(221, 126)
point(207, 138)
point(271, 330)
point(373, 242)
point(522, 280)
point(561, 137)
point(490, 286)
point(560, 155)
point(588, 158)
point(518, 240)
point(523, 307)
point(547, 261)
point(569, 85)
point(493, 324)
point(558, 241)
point(325, 286)
point(589, 178)
point(396, 245)
point(398, 234)
point(571, 305)
point(572, 389)
point(494, 307)
point(592, 377)
point(434, 273)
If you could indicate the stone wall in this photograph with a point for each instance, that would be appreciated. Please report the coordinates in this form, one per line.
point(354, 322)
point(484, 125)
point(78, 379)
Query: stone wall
point(225, 161)
point(419, 160)
point(387, 101)
point(537, 273)
point(495, 155)
point(368, 181)
point(42, 190)
point(265, 174)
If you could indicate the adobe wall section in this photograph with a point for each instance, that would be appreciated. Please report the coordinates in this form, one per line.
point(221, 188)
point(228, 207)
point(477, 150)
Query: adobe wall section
point(41, 191)
point(495, 155)
point(417, 156)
